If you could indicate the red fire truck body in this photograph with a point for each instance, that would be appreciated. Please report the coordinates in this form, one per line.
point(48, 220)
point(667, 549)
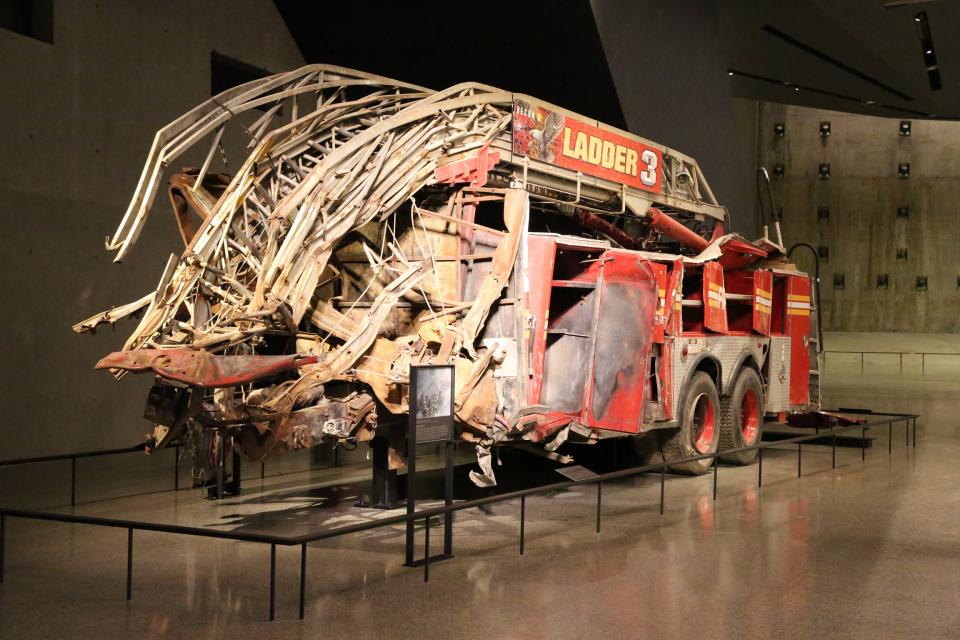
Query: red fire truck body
point(582, 281)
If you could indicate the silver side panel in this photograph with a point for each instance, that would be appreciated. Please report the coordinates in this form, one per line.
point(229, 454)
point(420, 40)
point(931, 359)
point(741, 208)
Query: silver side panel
point(729, 350)
point(778, 386)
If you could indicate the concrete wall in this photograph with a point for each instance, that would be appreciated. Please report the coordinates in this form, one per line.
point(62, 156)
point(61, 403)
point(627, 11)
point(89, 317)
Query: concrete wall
point(668, 66)
point(78, 119)
point(863, 232)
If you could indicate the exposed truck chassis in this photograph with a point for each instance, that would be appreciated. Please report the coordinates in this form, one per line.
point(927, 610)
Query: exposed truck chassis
point(580, 279)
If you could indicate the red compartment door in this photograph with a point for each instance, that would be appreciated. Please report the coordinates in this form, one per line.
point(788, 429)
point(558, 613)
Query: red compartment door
point(623, 332)
point(762, 301)
point(714, 298)
point(798, 326)
point(660, 318)
point(674, 319)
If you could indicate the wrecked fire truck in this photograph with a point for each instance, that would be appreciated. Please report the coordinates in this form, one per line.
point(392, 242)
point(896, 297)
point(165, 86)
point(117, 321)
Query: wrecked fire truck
point(582, 281)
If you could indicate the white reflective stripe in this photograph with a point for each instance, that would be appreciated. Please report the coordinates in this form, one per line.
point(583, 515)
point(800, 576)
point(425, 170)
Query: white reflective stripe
point(798, 305)
point(715, 295)
point(764, 302)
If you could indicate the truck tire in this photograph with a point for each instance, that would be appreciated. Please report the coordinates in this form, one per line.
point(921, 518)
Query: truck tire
point(741, 417)
point(699, 430)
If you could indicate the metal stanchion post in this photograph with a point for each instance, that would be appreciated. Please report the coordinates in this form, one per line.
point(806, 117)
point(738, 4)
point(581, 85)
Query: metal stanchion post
point(914, 432)
point(129, 563)
point(863, 444)
point(303, 576)
point(799, 459)
point(599, 492)
point(523, 514)
point(273, 581)
point(906, 433)
point(760, 467)
point(833, 464)
point(715, 465)
point(426, 551)
point(663, 478)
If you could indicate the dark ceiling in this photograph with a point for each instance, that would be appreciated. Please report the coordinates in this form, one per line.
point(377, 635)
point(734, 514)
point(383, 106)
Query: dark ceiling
point(863, 56)
point(548, 50)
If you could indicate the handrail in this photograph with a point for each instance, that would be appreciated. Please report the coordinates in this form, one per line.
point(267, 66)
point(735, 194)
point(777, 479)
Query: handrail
point(887, 419)
point(923, 356)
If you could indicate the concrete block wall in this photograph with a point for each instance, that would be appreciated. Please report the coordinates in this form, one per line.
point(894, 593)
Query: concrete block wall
point(78, 119)
point(863, 232)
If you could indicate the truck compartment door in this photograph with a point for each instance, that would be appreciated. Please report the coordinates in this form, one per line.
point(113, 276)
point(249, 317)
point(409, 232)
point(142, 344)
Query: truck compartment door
point(622, 337)
point(762, 301)
point(714, 298)
point(660, 318)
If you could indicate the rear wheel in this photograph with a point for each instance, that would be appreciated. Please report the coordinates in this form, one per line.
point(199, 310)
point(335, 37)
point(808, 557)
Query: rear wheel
point(741, 417)
point(699, 430)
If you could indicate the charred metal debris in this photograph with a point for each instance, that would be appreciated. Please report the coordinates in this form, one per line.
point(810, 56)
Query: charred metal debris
point(373, 225)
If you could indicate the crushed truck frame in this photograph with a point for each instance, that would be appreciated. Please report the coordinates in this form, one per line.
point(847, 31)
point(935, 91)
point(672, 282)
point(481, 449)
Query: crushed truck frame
point(581, 280)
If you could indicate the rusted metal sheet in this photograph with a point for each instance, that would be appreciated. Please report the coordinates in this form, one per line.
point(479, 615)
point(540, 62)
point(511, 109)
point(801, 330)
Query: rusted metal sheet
point(200, 368)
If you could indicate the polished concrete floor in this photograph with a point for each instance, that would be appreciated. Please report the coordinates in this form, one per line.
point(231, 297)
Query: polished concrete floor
point(869, 550)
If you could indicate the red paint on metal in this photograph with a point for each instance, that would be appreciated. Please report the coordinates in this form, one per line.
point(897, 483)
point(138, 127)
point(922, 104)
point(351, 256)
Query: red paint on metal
point(666, 379)
point(714, 298)
point(704, 423)
point(471, 170)
point(749, 416)
point(200, 368)
point(540, 253)
point(542, 134)
point(596, 223)
point(667, 225)
point(674, 308)
point(660, 272)
point(737, 254)
point(798, 327)
point(762, 301)
point(614, 396)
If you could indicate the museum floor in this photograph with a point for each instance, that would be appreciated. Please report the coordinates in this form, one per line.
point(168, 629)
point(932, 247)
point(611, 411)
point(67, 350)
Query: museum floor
point(869, 550)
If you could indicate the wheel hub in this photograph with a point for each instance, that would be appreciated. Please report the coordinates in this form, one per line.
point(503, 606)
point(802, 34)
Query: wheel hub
point(704, 423)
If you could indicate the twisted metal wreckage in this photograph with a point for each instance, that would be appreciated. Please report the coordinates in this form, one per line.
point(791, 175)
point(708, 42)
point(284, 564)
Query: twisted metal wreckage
point(375, 225)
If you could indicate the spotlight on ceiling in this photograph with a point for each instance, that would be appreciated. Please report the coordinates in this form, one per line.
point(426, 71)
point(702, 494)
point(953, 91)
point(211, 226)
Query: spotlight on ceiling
point(905, 128)
point(825, 129)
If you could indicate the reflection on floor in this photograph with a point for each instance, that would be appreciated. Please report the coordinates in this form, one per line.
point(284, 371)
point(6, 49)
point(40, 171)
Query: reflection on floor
point(866, 551)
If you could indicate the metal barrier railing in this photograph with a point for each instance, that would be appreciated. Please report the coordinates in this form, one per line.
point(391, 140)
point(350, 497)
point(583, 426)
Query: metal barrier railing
point(923, 356)
point(427, 515)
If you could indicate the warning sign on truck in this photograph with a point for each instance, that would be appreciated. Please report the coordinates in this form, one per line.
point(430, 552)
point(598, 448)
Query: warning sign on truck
point(550, 136)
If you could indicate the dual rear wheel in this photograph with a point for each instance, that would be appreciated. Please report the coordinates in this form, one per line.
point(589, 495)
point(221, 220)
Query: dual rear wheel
point(709, 424)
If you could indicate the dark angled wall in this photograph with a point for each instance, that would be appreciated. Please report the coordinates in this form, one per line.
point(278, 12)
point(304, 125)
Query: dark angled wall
point(668, 65)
